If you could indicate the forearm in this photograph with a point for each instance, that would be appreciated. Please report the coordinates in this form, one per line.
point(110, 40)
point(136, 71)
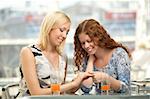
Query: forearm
point(41, 91)
point(88, 82)
point(114, 83)
point(89, 66)
point(73, 90)
point(68, 86)
point(72, 86)
point(119, 86)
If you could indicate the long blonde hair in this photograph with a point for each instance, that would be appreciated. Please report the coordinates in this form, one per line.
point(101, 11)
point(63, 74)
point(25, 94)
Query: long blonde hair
point(49, 21)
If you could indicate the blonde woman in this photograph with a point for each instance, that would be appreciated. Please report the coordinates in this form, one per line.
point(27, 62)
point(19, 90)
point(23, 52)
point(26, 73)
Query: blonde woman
point(39, 61)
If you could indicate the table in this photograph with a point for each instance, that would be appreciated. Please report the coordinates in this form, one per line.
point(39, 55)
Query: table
point(90, 97)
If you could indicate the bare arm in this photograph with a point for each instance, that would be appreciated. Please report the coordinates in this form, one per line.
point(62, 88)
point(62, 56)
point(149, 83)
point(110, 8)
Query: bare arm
point(75, 84)
point(30, 75)
point(88, 82)
point(29, 72)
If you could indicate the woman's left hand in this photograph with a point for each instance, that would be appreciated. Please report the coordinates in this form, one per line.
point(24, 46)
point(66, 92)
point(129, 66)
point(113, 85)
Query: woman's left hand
point(81, 76)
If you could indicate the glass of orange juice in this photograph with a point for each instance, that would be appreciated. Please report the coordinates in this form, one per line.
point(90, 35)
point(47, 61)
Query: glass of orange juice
point(55, 88)
point(105, 84)
point(55, 82)
point(105, 87)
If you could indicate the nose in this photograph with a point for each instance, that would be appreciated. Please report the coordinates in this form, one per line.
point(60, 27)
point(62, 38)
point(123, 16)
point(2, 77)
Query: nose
point(86, 45)
point(64, 34)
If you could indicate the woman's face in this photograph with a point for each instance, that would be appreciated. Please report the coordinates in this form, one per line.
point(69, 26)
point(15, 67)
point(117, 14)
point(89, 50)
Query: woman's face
point(59, 34)
point(87, 44)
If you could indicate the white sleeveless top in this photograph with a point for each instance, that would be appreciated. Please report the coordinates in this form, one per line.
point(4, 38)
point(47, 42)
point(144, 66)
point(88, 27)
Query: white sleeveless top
point(44, 70)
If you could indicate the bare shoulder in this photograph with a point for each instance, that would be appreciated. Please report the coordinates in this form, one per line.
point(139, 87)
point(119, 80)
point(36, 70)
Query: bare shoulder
point(25, 51)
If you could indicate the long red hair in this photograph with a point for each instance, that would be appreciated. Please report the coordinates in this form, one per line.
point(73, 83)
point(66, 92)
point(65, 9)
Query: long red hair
point(98, 35)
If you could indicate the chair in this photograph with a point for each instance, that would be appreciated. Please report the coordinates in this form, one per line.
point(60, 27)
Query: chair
point(6, 91)
point(143, 87)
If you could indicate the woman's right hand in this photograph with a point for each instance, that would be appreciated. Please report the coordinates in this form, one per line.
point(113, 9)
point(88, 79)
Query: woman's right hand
point(81, 76)
point(85, 75)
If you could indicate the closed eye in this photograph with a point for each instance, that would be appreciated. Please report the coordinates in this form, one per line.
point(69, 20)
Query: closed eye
point(64, 29)
point(89, 41)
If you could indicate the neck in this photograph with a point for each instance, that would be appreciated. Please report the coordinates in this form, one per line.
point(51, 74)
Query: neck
point(101, 53)
point(51, 49)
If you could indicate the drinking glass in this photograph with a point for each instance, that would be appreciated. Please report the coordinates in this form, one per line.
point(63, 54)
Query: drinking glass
point(56, 81)
point(105, 84)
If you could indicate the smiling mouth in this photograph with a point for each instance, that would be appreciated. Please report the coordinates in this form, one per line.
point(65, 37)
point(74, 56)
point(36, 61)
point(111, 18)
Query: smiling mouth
point(89, 50)
point(60, 40)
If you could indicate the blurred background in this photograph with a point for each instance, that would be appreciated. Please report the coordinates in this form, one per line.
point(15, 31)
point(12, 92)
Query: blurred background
point(127, 21)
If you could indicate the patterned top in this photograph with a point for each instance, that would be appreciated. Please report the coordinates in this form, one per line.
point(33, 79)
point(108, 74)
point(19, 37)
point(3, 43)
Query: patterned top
point(44, 69)
point(118, 67)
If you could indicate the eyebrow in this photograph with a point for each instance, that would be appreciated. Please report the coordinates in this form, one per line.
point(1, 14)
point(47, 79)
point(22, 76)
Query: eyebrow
point(65, 28)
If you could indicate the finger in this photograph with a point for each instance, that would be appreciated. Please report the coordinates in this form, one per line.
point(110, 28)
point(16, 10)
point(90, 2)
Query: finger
point(94, 79)
point(90, 72)
point(90, 75)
